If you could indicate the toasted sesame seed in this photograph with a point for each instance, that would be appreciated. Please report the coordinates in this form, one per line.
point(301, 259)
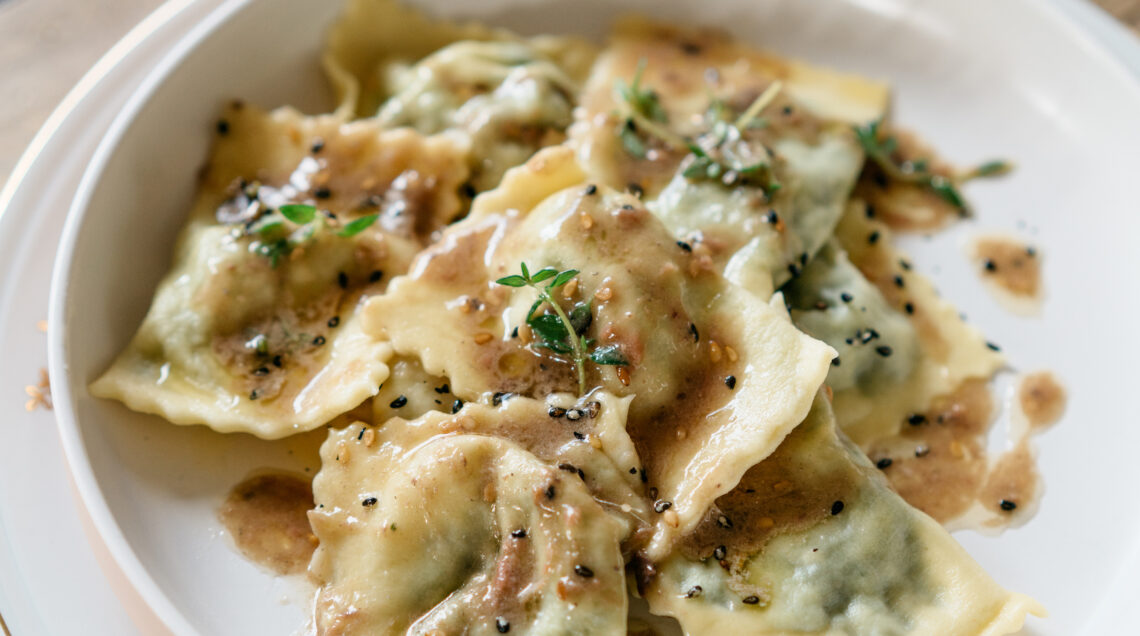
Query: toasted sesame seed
point(483, 338)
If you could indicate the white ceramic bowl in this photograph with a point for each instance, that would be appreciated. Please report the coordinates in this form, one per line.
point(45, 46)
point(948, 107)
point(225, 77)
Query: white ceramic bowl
point(978, 78)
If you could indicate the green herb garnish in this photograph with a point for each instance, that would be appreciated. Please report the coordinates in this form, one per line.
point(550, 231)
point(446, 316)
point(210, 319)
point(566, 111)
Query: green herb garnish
point(299, 213)
point(712, 159)
point(357, 226)
point(560, 332)
point(880, 149)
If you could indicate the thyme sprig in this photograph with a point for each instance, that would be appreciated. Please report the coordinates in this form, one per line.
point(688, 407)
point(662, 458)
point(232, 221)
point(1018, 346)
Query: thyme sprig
point(712, 153)
point(561, 332)
point(880, 148)
point(269, 227)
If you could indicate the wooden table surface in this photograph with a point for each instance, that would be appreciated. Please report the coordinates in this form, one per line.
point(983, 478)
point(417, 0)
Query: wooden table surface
point(46, 45)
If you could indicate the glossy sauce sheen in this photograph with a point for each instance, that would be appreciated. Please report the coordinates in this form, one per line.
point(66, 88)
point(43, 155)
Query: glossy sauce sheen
point(267, 516)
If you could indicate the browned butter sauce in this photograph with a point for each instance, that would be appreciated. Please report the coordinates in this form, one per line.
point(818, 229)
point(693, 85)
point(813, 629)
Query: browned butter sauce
point(1041, 398)
point(1010, 265)
point(267, 516)
point(939, 464)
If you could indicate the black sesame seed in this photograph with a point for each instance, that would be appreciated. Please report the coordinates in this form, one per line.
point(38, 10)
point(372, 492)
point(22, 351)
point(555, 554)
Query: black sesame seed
point(696, 334)
point(342, 280)
point(1031, 251)
point(720, 552)
point(903, 263)
point(578, 436)
point(730, 381)
point(446, 388)
point(333, 322)
point(724, 522)
point(835, 361)
point(751, 600)
point(375, 276)
point(1007, 505)
point(371, 501)
point(583, 571)
point(502, 625)
point(793, 269)
point(787, 110)
point(909, 308)
point(685, 246)
point(869, 211)
point(873, 237)
point(661, 505)
point(468, 190)
point(360, 435)
point(515, 332)
point(550, 492)
point(803, 259)
point(883, 350)
point(772, 217)
point(318, 145)
point(318, 341)
point(899, 282)
point(277, 361)
point(884, 463)
point(398, 402)
point(253, 394)
point(845, 297)
point(570, 468)
point(591, 189)
point(990, 265)
point(694, 592)
point(519, 534)
point(644, 476)
point(921, 451)
point(992, 347)
point(223, 127)
point(261, 371)
point(556, 411)
point(635, 189)
point(499, 397)
point(633, 471)
point(456, 405)
point(322, 192)
point(836, 508)
point(914, 419)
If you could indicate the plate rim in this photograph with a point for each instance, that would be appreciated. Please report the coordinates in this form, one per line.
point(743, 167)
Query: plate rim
point(1080, 18)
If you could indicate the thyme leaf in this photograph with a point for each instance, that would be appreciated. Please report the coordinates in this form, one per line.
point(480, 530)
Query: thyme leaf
point(560, 332)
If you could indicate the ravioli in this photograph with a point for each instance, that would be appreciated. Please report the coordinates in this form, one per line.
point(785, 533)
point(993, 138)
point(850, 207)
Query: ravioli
point(950, 352)
point(488, 520)
point(507, 97)
point(694, 84)
point(814, 541)
point(254, 329)
point(719, 376)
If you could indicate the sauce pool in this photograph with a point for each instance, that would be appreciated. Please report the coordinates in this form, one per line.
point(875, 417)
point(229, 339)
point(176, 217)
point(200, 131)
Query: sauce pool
point(267, 516)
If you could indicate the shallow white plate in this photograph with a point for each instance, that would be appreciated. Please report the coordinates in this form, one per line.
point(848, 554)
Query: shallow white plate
point(978, 78)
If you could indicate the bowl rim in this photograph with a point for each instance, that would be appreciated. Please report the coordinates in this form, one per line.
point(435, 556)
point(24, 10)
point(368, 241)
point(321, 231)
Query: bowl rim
point(1085, 21)
point(86, 485)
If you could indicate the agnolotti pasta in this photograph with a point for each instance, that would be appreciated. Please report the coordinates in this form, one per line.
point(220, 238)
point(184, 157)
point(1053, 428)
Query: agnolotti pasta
point(583, 320)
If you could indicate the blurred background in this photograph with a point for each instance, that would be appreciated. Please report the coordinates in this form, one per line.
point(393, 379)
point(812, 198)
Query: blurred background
point(47, 45)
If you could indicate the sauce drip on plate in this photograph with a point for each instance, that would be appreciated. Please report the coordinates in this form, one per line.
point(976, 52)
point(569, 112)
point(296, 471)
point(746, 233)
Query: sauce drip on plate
point(267, 516)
